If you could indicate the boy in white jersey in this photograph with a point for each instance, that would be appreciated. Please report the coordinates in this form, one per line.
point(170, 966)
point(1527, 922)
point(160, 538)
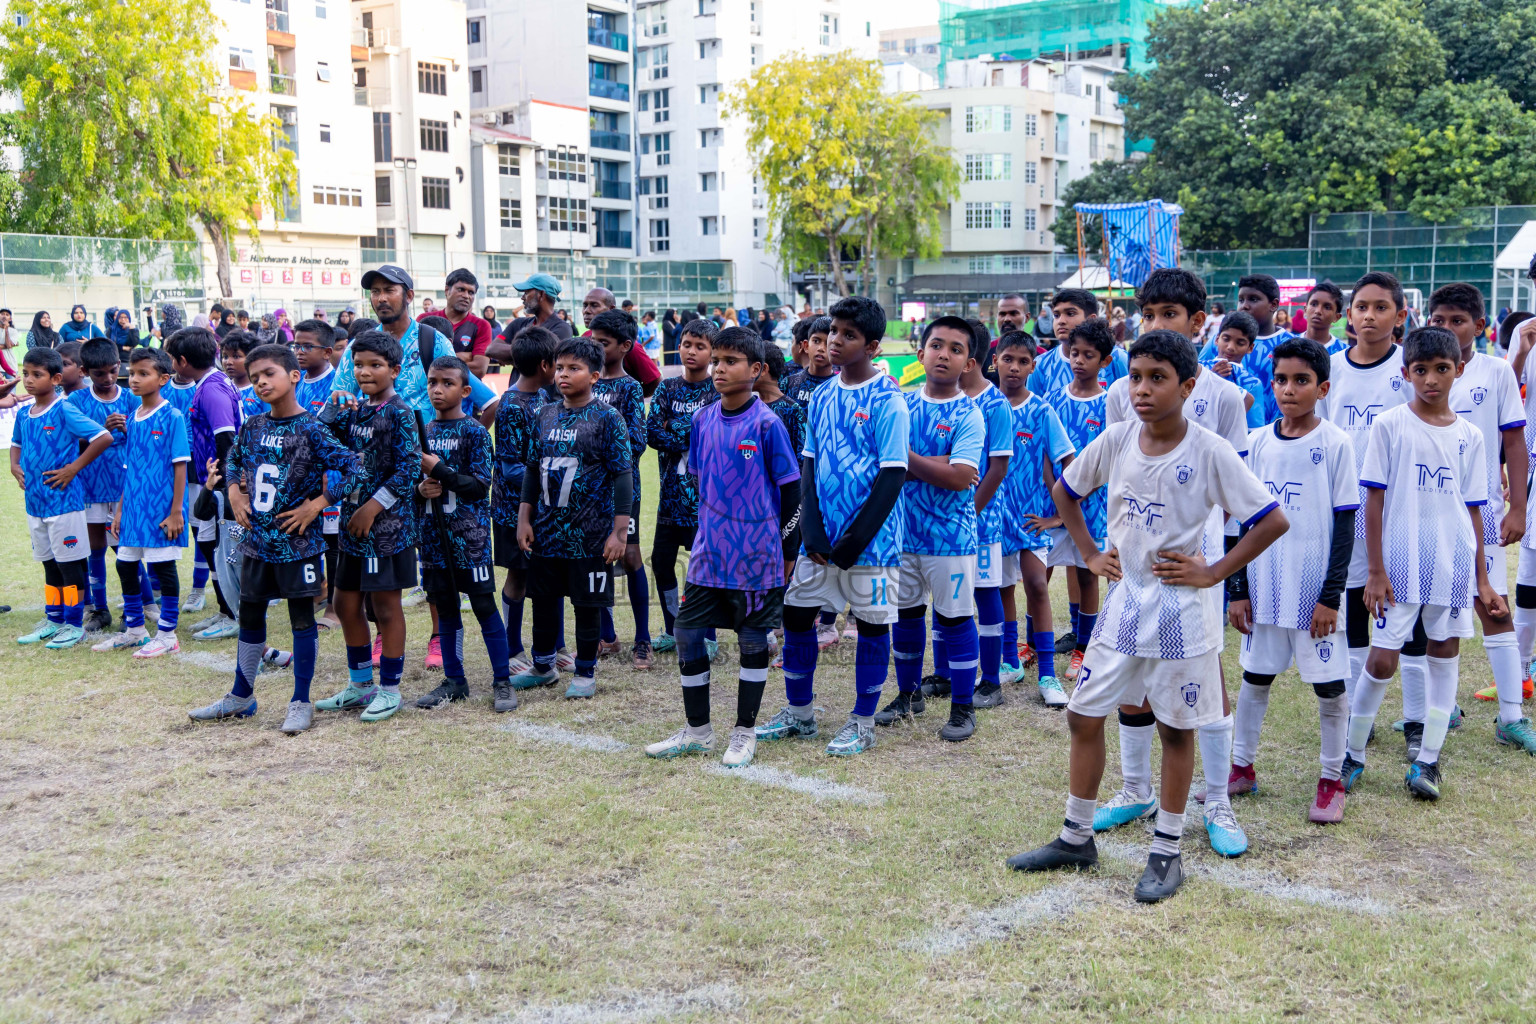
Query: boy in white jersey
point(1487, 395)
point(1159, 635)
point(1426, 482)
point(1522, 337)
point(1286, 603)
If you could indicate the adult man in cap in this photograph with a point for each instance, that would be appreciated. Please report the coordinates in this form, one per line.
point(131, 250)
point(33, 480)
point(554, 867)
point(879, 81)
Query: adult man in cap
point(539, 294)
point(471, 335)
point(638, 364)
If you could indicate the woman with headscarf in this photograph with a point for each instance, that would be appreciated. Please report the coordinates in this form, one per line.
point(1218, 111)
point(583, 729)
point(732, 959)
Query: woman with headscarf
point(344, 318)
point(172, 319)
point(764, 325)
point(42, 334)
point(267, 332)
point(669, 326)
point(124, 336)
point(227, 323)
point(284, 330)
point(79, 327)
point(201, 320)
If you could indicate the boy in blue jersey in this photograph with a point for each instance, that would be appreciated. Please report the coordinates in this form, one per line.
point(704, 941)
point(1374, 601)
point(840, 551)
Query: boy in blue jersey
point(1080, 406)
point(1234, 344)
point(615, 331)
point(533, 356)
point(456, 535)
point(1069, 308)
point(378, 515)
point(232, 351)
point(574, 515)
point(46, 460)
point(1258, 295)
point(151, 521)
point(1040, 444)
point(72, 377)
point(852, 527)
point(107, 403)
point(947, 441)
point(668, 430)
point(277, 487)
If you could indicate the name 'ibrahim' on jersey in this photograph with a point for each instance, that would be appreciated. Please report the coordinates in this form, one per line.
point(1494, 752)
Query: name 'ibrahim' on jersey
point(1038, 437)
point(515, 416)
point(464, 447)
point(280, 463)
point(1163, 503)
point(668, 430)
point(1312, 477)
point(853, 431)
point(1431, 476)
point(155, 443)
point(1083, 420)
point(941, 521)
point(102, 478)
point(577, 453)
point(997, 416)
point(384, 436)
point(51, 440)
point(1487, 395)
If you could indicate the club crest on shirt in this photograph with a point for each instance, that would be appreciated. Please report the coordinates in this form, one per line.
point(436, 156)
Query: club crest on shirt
point(1200, 407)
point(1463, 450)
point(1325, 650)
point(862, 415)
point(747, 448)
point(1478, 394)
point(1185, 472)
point(1317, 456)
point(1191, 692)
point(945, 427)
point(1397, 383)
point(1024, 435)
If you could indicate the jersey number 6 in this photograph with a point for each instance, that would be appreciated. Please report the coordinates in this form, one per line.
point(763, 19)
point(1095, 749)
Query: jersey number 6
point(265, 497)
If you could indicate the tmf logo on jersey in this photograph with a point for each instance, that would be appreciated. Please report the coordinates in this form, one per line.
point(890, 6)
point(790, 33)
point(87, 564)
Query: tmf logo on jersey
point(1142, 515)
point(1288, 493)
point(1362, 415)
point(1439, 477)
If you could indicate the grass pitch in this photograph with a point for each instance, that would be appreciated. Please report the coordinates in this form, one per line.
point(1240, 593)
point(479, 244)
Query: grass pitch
point(536, 867)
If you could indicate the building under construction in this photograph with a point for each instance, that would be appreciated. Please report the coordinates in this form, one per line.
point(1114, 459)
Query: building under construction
point(1053, 29)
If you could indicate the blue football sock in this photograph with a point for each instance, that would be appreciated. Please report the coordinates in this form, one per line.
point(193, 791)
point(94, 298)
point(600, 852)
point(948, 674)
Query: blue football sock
point(133, 609)
point(199, 569)
point(871, 665)
point(1085, 623)
point(248, 654)
point(1072, 612)
point(53, 603)
point(640, 604)
point(1045, 653)
point(170, 612)
point(606, 622)
point(74, 606)
point(147, 584)
point(940, 650)
point(512, 626)
point(800, 653)
point(709, 634)
point(962, 641)
point(96, 567)
point(669, 609)
point(989, 630)
point(1029, 625)
point(907, 647)
point(390, 671)
point(450, 636)
point(306, 648)
point(1010, 651)
point(360, 665)
point(494, 632)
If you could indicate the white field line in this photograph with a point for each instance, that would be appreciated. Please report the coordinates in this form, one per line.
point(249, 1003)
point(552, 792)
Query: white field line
point(631, 1007)
point(209, 660)
point(1265, 883)
point(564, 737)
point(1052, 904)
point(816, 789)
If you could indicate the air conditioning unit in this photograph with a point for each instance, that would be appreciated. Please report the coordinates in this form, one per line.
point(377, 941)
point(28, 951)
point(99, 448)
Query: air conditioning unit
point(489, 118)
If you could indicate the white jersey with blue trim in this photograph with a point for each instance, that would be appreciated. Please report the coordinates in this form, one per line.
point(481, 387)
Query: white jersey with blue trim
point(1215, 404)
point(1163, 503)
point(1488, 396)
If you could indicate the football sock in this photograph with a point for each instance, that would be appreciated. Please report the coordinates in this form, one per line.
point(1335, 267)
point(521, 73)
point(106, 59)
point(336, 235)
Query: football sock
point(1136, 753)
point(53, 591)
point(1364, 702)
point(1248, 719)
point(586, 642)
point(1077, 827)
point(146, 588)
point(390, 671)
point(1045, 653)
point(1525, 627)
point(1010, 652)
point(170, 595)
point(1167, 832)
point(1029, 626)
point(1333, 717)
point(1216, 758)
point(1413, 670)
point(907, 647)
point(494, 632)
point(251, 646)
point(72, 593)
point(828, 619)
point(871, 665)
point(1072, 613)
point(752, 678)
point(940, 650)
point(360, 665)
point(548, 627)
point(306, 644)
point(1440, 686)
point(961, 641)
point(97, 566)
point(989, 633)
point(669, 609)
point(1085, 624)
point(800, 651)
point(1356, 666)
point(608, 634)
point(199, 564)
point(512, 625)
point(133, 602)
point(1504, 659)
point(640, 604)
point(450, 634)
point(693, 667)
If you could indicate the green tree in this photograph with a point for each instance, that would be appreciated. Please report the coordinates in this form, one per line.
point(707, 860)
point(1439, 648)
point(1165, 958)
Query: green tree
point(1264, 114)
point(844, 167)
point(127, 128)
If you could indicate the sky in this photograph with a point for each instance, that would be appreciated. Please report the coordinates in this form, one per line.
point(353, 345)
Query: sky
point(907, 13)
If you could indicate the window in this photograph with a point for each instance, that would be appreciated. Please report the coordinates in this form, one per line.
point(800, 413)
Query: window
point(1031, 172)
point(989, 167)
point(655, 58)
point(383, 146)
point(757, 227)
point(660, 144)
point(1015, 264)
point(709, 226)
point(980, 265)
point(757, 54)
point(988, 216)
point(476, 26)
point(707, 182)
point(709, 137)
point(828, 29)
point(988, 119)
point(434, 193)
point(1061, 134)
point(325, 133)
point(1031, 126)
point(656, 189)
point(567, 214)
point(653, 19)
point(379, 248)
point(661, 236)
point(326, 195)
point(322, 71)
point(434, 136)
point(432, 78)
point(658, 100)
point(1031, 220)
point(509, 162)
point(709, 92)
point(382, 190)
point(1093, 145)
point(566, 164)
point(477, 80)
point(320, 9)
point(241, 58)
point(511, 213)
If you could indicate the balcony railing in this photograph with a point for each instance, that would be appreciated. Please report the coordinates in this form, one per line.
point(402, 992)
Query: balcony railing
point(370, 95)
point(614, 240)
point(611, 189)
point(277, 21)
point(283, 85)
point(609, 38)
point(610, 140)
point(608, 90)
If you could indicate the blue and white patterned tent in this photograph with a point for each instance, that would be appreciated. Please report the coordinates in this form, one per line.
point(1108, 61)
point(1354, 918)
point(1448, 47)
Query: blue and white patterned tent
point(1138, 237)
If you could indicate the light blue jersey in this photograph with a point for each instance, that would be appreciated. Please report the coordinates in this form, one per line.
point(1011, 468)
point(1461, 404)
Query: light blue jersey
point(1038, 437)
point(250, 405)
point(1083, 420)
point(155, 444)
point(1245, 379)
point(179, 394)
point(50, 440)
point(853, 432)
point(940, 521)
point(103, 478)
point(997, 416)
point(1053, 371)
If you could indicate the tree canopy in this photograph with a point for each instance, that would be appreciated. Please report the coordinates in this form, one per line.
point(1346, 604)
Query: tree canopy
point(1263, 114)
point(126, 127)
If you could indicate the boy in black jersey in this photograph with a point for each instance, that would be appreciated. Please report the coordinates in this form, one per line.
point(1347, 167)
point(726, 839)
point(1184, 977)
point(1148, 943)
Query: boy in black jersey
point(790, 412)
point(456, 534)
point(574, 515)
point(668, 430)
point(378, 524)
point(818, 368)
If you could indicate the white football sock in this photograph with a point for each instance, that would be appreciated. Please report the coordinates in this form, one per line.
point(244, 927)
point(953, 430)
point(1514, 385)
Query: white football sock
point(1356, 666)
point(1136, 759)
point(1166, 834)
point(1216, 759)
point(1333, 716)
point(1441, 695)
point(1525, 632)
point(1504, 660)
point(1412, 668)
point(1248, 720)
point(1077, 829)
point(1363, 705)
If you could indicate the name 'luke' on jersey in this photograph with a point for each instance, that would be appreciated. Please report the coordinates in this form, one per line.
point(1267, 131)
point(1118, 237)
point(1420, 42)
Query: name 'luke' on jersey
point(941, 521)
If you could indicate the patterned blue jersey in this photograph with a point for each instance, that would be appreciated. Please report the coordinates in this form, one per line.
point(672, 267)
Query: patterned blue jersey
point(1053, 371)
point(792, 414)
point(384, 437)
point(281, 464)
point(179, 394)
point(465, 448)
point(313, 394)
point(103, 478)
point(51, 440)
point(853, 432)
point(514, 448)
point(1245, 379)
point(154, 445)
point(577, 454)
point(1261, 363)
point(1038, 438)
point(668, 430)
point(250, 405)
point(941, 521)
point(1083, 420)
point(997, 415)
point(625, 397)
point(801, 385)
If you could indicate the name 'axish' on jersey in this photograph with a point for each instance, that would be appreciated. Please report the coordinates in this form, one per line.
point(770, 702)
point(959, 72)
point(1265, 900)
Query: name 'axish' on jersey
point(384, 436)
point(1431, 476)
point(853, 432)
point(1083, 420)
point(515, 416)
point(576, 452)
point(280, 464)
point(464, 447)
point(1487, 395)
point(668, 430)
point(941, 521)
point(997, 416)
point(1311, 477)
point(155, 444)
